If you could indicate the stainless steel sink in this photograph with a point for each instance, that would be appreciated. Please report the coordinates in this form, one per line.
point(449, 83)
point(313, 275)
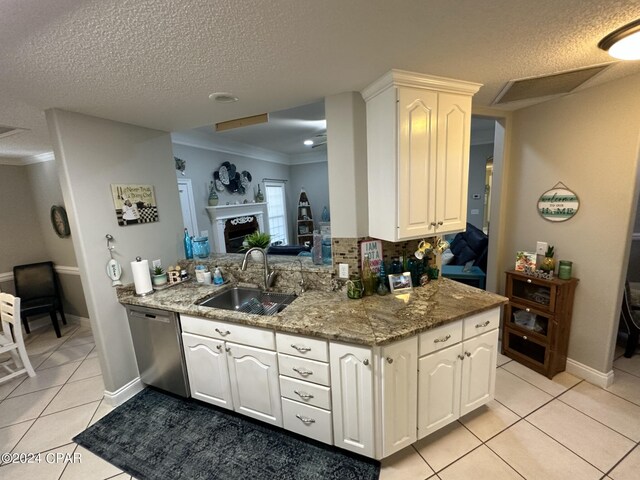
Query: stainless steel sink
point(249, 300)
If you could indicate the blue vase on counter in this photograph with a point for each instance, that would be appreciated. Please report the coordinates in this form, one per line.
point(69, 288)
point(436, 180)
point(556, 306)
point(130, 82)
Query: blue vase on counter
point(188, 246)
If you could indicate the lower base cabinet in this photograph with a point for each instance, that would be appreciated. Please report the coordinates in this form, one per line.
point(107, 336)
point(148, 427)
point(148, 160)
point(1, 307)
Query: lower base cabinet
point(372, 401)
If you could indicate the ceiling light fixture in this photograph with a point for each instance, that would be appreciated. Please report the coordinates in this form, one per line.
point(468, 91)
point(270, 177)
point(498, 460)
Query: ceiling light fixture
point(223, 97)
point(308, 142)
point(623, 43)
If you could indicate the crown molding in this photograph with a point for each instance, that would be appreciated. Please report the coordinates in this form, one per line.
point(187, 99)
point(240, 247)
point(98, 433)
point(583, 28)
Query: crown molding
point(307, 158)
point(28, 160)
point(196, 140)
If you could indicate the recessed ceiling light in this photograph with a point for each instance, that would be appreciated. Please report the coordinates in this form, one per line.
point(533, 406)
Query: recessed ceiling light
point(623, 43)
point(223, 97)
point(308, 142)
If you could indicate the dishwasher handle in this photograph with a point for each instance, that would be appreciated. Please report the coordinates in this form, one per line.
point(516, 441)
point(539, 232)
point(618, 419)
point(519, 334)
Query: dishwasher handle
point(150, 316)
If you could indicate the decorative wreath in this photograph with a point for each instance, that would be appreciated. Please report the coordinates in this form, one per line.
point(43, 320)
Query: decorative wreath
point(227, 178)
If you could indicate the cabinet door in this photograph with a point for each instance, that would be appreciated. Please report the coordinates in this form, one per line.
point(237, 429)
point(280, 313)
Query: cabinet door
point(207, 368)
point(417, 119)
point(352, 395)
point(452, 176)
point(399, 368)
point(439, 389)
point(254, 383)
point(479, 371)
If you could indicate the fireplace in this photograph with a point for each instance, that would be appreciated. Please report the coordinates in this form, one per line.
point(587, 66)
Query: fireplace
point(236, 229)
point(230, 224)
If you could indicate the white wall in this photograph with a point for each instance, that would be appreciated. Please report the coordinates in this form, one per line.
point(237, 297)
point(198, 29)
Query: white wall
point(477, 177)
point(589, 141)
point(94, 153)
point(347, 159)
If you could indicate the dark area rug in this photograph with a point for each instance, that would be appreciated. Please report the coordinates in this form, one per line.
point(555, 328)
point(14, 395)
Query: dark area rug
point(158, 436)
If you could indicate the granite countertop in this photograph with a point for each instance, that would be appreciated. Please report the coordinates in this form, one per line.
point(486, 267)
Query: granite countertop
point(369, 321)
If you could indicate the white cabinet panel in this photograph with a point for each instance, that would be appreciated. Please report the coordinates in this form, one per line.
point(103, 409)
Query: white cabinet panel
point(307, 420)
point(232, 332)
point(479, 371)
point(481, 322)
point(304, 369)
point(254, 383)
point(207, 368)
point(305, 392)
point(298, 346)
point(352, 394)
point(399, 370)
point(439, 389)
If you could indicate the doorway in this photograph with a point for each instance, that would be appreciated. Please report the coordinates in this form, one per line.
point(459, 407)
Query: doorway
point(187, 204)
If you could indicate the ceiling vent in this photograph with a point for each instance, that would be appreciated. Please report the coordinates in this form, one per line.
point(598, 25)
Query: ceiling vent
point(546, 86)
point(7, 131)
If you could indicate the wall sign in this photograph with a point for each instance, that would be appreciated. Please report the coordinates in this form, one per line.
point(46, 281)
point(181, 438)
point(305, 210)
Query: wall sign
point(558, 204)
point(134, 204)
point(372, 248)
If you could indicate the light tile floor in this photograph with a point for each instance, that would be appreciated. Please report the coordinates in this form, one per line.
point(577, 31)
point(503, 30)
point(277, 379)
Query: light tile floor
point(536, 428)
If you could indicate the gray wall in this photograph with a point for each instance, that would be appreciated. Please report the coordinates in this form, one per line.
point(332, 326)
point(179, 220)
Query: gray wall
point(589, 141)
point(20, 233)
point(314, 177)
point(94, 153)
point(477, 175)
point(201, 163)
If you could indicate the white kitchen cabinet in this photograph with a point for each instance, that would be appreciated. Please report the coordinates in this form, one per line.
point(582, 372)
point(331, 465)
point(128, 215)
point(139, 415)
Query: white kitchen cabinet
point(457, 379)
point(207, 367)
point(418, 134)
point(399, 385)
point(479, 371)
point(255, 386)
point(352, 397)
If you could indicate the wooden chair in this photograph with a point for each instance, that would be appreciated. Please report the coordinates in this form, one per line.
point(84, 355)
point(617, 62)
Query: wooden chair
point(12, 341)
point(37, 286)
point(629, 322)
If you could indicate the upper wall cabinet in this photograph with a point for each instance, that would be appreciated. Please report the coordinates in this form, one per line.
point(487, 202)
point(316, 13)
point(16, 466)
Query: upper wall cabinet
point(418, 130)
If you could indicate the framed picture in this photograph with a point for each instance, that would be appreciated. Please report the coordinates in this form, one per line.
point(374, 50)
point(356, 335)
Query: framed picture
point(134, 204)
point(373, 249)
point(400, 282)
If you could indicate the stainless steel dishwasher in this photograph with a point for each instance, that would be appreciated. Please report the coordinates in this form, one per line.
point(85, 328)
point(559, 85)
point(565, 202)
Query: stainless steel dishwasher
point(157, 341)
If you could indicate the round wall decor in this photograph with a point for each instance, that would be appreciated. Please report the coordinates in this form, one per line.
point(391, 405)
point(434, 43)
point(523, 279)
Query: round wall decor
point(227, 178)
point(59, 221)
point(558, 204)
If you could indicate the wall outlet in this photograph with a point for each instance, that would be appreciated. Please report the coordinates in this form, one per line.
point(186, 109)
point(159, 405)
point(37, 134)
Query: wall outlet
point(541, 248)
point(343, 270)
point(156, 263)
point(475, 211)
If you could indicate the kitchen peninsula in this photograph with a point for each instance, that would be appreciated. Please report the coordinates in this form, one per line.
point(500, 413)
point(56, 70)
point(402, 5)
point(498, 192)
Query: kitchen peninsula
point(371, 375)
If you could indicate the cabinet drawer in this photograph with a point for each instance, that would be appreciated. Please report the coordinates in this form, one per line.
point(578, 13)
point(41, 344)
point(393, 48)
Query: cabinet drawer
point(306, 347)
point(304, 369)
point(305, 392)
point(306, 420)
point(256, 337)
point(440, 337)
point(480, 323)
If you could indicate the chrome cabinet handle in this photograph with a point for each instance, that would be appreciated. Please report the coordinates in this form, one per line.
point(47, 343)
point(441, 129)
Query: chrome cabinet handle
point(528, 280)
point(467, 354)
point(482, 325)
point(524, 337)
point(227, 349)
point(527, 309)
point(304, 395)
point(433, 224)
point(365, 362)
point(305, 419)
point(302, 371)
point(299, 348)
point(389, 360)
point(443, 339)
point(461, 357)
point(224, 334)
point(219, 347)
point(440, 222)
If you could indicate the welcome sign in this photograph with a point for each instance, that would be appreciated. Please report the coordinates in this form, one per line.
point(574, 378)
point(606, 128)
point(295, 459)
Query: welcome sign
point(558, 204)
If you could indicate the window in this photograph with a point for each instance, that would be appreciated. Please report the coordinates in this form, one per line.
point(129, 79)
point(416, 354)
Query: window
point(277, 210)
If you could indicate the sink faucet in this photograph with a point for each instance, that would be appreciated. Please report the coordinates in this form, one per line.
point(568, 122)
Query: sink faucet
point(269, 277)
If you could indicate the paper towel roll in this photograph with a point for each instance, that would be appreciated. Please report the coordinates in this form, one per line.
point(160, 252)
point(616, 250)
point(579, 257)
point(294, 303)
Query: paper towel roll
point(141, 277)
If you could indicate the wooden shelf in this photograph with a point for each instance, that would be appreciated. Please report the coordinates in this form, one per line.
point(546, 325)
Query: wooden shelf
point(537, 321)
point(304, 218)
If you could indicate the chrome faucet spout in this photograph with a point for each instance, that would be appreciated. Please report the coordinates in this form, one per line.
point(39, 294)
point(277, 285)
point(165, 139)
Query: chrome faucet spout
point(269, 276)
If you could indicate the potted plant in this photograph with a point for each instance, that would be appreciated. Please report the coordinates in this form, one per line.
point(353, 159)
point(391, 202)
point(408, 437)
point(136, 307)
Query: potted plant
point(159, 276)
point(256, 239)
point(548, 263)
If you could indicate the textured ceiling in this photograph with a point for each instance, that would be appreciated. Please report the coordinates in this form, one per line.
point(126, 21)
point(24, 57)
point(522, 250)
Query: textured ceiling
point(154, 62)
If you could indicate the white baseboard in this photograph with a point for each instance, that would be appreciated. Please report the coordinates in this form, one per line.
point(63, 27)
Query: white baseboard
point(124, 393)
point(591, 375)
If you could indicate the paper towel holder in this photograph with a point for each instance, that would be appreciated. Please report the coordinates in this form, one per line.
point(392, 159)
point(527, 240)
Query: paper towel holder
point(144, 294)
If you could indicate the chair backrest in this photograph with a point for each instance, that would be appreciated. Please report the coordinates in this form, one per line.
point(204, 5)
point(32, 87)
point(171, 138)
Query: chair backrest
point(36, 280)
point(10, 315)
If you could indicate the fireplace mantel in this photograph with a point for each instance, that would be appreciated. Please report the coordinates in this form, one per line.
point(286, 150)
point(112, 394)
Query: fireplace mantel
point(220, 214)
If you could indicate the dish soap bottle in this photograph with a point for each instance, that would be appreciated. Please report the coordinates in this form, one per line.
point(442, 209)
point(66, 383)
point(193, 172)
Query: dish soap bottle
point(217, 276)
point(188, 246)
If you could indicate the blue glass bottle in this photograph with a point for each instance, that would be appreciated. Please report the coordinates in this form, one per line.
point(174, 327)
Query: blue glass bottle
point(188, 246)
